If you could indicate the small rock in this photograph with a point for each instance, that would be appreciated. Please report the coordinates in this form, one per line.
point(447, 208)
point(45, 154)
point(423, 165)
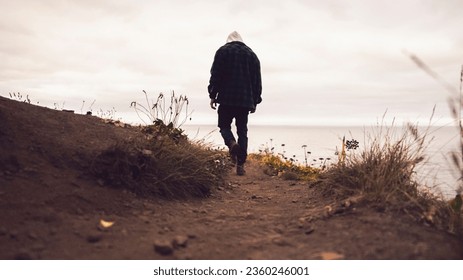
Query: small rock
point(347, 203)
point(294, 201)
point(249, 216)
point(309, 230)
point(164, 248)
point(328, 210)
point(147, 152)
point(32, 235)
point(180, 241)
point(94, 237)
point(3, 231)
point(100, 182)
point(339, 210)
point(280, 241)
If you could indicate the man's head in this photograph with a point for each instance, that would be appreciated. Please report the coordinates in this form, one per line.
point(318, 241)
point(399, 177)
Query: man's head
point(234, 36)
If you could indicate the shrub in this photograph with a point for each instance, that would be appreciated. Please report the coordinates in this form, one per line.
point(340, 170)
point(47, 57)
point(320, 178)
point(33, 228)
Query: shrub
point(383, 175)
point(164, 163)
point(385, 169)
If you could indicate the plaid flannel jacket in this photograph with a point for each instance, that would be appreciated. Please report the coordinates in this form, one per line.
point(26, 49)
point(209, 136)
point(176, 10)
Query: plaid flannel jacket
point(235, 76)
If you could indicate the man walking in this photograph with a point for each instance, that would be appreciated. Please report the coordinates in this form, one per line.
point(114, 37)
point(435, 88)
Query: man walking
point(236, 85)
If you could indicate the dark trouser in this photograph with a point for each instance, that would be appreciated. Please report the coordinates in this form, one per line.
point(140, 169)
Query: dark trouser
point(226, 116)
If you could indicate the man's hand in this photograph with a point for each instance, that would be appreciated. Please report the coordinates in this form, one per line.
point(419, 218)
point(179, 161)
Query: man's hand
point(213, 104)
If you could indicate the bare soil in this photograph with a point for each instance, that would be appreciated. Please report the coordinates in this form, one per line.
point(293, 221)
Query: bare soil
point(52, 208)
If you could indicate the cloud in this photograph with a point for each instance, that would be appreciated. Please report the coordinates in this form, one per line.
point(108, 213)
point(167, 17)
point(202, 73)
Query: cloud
point(320, 59)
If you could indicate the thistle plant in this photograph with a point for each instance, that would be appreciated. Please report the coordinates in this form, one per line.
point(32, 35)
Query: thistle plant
point(304, 147)
point(165, 110)
point(89, 110)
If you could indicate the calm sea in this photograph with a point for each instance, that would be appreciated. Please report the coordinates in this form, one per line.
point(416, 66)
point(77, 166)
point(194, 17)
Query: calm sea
point(321, 144)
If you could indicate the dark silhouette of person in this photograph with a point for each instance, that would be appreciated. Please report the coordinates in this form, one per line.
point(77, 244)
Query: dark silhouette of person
point(236, 85)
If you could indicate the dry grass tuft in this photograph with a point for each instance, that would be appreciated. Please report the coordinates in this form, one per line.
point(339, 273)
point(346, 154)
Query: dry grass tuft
point(385, 169)
point(383, 174)
point(164, 164)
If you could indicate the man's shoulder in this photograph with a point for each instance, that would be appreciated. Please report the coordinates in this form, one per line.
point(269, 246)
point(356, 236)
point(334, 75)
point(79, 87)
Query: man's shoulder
point(235, 47)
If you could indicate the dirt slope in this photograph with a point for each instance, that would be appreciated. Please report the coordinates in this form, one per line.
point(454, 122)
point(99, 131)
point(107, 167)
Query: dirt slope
point(51, 208)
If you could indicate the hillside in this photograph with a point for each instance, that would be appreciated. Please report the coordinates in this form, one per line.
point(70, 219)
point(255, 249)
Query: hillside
point(53, 207)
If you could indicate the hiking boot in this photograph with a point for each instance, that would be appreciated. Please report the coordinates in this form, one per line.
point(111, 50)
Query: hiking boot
point(234, 151)
point(240, 170)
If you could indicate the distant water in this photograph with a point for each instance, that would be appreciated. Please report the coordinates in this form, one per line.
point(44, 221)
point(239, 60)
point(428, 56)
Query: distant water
point(322, 142)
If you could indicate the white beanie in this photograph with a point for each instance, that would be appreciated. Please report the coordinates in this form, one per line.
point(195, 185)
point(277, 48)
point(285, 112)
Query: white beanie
point(234, 36)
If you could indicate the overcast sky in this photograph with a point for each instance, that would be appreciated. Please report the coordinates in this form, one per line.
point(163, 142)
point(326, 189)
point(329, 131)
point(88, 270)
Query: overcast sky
point(323, 62)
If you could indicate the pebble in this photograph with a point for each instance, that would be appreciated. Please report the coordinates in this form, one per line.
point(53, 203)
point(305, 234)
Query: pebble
point(180, 241)
point(249, 216)
point(163, 247)
point(94, 237)
point(280, 241)
point(309, 230)
point(32, 235)
point(147, 152)
point(192, 236)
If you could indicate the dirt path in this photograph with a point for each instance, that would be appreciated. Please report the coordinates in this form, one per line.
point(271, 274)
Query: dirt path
point(49, 210)
point(253, 217)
